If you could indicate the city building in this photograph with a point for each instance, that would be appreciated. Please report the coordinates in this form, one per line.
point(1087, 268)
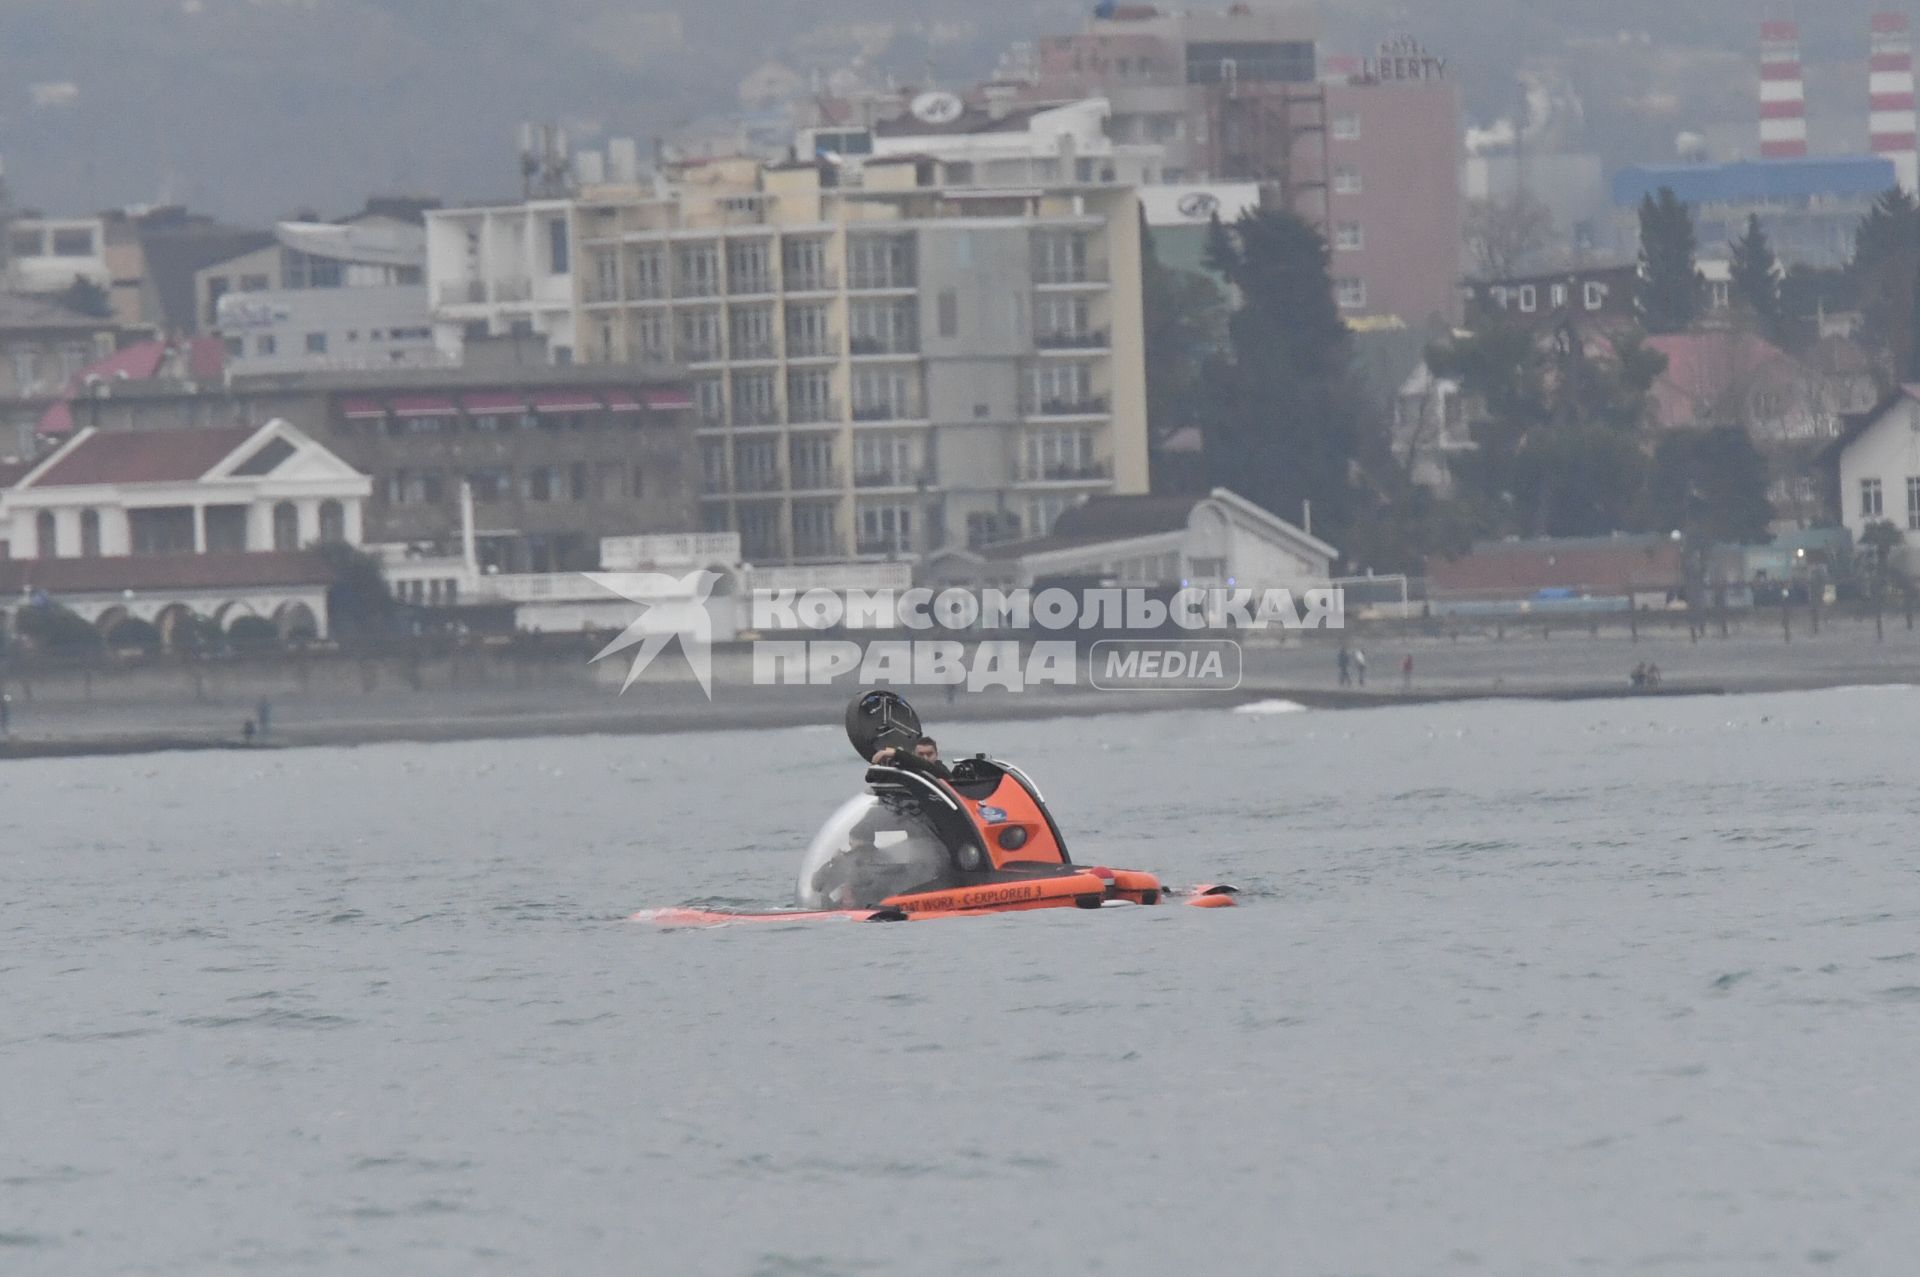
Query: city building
point(323, 295)
point(504, 272)
point(43, 347)
point(883, 364)
point(167, 528)
point(1369, 149)
point(46, 254)
point(1603, 294)
point(1559, 574)
point(1809, 207)
point(1217, 540)
point(1179, 215)
point(555, 458)
point(1727, 377)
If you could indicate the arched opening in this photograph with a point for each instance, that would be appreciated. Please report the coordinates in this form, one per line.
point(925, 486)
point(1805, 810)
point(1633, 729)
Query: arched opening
point(110, 618)
point(45, 535)
point(295, 621)
point(249, 630)
point(130, 632)
point(89, 534)
point(175, 625)
point(286, 527)
point(333, 521)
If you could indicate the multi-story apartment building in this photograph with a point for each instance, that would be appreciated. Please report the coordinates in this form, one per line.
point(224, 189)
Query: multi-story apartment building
point(884, 363)
point(504, 271)
point(1369, 149)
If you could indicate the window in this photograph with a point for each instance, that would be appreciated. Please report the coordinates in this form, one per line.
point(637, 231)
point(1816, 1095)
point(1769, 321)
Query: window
point(1060, 258)
point(748, 267)
point(286, 527)
point(803, 262)
point(333, 520)
point(756, 399)
point(558, 260)
point(809, 332)
point(752, 332)
point(316, 343)
point(490, 484)
point(1346, 127)
point(882, 394)
point(89, 534)
point(27, 243)
point(699, 335)
point(1061, 388)
point(46, 535)
point(696, 271)
point(254, 284)
point(1346, 181)
point(810, 396)
point(650, 333)
point(73, 242)
point(1869, 498)
point(810, 461)
point(649, 275)
point(1913, 503)
point(1559, 296)
point(264, 344)
point(885, 529)
point(1594, 295)
point(1348, 237)
point(1529, 299)
point(882, 328)
point(880, 261)
point(577, 476)
point(1351, 294)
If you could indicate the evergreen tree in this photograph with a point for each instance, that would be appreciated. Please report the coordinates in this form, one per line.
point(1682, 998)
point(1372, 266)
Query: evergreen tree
point(1286, 428)
point(1755, 283)
point(1186, 320)
point(1671, 287)
point(87, 298)
point(1711, 484)
point(1886, 255)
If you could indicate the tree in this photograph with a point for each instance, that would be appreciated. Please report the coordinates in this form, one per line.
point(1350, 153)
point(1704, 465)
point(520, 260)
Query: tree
point(1755, 282)
point(54, 627)
point(1710, 484)
point(358, 600)
point(1886, 257)
point(1503, 236)
point(1186, 324)
point(1672, 289)
point(87, 298)
point(1286, 425)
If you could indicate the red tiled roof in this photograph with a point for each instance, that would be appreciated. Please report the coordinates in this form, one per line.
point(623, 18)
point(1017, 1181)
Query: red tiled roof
point(1705, 370)
point(151, 456)
point(139, 362)
point(163, 572)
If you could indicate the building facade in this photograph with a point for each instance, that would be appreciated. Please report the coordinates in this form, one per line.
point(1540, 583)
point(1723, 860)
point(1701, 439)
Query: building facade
point(1810, 208)
point(323, 295)
point(504, 272)
point(883, 363)
point(555, 458)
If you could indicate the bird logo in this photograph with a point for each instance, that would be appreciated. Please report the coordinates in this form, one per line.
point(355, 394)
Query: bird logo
point(671, 607)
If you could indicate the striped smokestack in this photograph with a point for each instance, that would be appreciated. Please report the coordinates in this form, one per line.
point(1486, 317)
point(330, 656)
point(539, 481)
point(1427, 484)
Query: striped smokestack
point(1890, 84)
point(1783, 95)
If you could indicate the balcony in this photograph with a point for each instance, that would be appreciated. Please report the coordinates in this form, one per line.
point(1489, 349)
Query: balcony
point(1066, 472)
point(817, 481)
point(699, 352)
point(819, 548)
point(646, 290)
point(750, 283)
point(825, 347)
point(1072, 341)
point(714, 485)
point(1091, 406)
point(886, 412)
point(759, 481)
point(463, 292)
point(689, 288)
point(895, 478)
point(513, 289)
point(1071, 275)
point(877, 346)
point(601, 294)
point(889, 546)
point(881, 280)
point(756, 414)
point(811, 281)
point(802, 412)
point(748, 351)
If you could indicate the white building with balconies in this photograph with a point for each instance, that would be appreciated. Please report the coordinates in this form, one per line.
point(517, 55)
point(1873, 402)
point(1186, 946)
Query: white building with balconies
point(504, 271)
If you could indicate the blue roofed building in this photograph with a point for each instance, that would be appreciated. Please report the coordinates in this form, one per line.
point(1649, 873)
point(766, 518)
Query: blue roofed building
point(1810, 207)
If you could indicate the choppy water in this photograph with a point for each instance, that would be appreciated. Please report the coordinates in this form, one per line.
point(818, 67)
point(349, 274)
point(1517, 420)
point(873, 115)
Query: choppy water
point(1518, 989)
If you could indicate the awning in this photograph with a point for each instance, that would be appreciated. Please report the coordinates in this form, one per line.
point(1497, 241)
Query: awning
point(493, 403)
point(363, 409)
point(422, 405)
point(566, 401)
point(666, 400)
point(623, 401)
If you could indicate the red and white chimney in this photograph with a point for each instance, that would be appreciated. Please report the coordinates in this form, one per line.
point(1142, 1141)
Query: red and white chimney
point(1890, 85)
point(1783, 94)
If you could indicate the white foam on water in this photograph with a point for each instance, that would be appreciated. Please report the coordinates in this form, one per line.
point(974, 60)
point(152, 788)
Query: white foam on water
point(1270, 707)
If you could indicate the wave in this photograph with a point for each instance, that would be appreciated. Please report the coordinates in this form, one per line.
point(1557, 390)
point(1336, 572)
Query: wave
point(1270, 707)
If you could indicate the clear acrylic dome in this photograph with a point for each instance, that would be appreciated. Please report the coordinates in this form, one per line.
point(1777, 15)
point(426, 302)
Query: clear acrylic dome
point(869, 851)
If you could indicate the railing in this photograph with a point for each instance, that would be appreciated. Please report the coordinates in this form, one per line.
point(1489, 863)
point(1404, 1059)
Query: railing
point(836, 576)
point(812, 411)
point(811, 281)
point(759, 481)
point(699, 353)
point(754, 350)
point(756, 414)
point(757, 282)
point(598, 293)
point(618, 554)
point(827, 549)
point(886, 412)
point(1072, 341)
point(877, 279)
point(1092, 406)
point(813, 347)
point(876, 346)
point(893, 479)
point(696, 288)
point(464, 292)
point(817, 481)
point(1090, 273)
point(646, 290)
point(714, 485)
point(880, 545)
point(1065, 473)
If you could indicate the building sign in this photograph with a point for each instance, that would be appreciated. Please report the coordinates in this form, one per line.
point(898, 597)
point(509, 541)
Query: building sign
point(236, 310)
point(1401, 60)
point(1199, 205)
point(1196, 205)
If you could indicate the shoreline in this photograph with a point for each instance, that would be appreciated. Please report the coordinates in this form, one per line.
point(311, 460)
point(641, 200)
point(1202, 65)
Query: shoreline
point(696, 717)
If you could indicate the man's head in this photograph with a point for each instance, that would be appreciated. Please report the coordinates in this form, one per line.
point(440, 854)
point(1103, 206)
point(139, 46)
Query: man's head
point(927, 748)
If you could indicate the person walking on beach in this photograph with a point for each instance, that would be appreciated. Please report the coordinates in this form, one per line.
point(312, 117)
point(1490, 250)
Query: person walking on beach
point(263, 714)
point(1360, 666)
point(1345, 661)
point(1406, 672)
